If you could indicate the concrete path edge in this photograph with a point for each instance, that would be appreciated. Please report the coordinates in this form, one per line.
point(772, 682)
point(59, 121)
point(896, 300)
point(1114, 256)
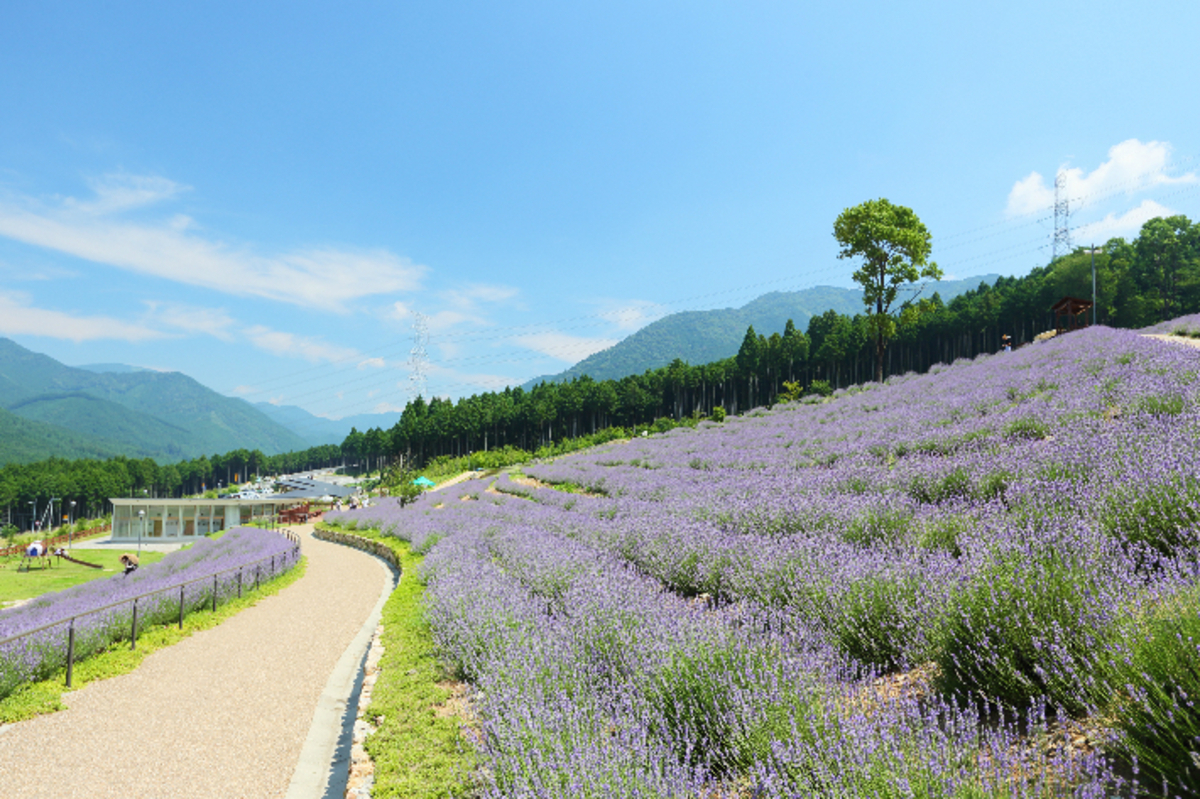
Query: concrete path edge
point(324, 765)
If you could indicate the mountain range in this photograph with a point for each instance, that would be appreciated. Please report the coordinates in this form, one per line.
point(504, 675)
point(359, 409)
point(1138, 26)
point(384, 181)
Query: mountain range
point(320, 430)
point(704, 336)
point(50, 409)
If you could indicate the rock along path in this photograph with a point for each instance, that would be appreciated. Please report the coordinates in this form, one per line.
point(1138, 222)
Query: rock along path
point(224, 713)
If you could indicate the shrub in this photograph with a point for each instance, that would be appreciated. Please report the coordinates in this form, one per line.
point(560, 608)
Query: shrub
point(821, 388)
point(1163, 515)
point(943, 533)
point(1026, 626)
point(1027, 427)
point(873, 620)
point(696, 697)
point(718, 414)
point(1155, 405)
point(954, 485)
point(1160, 721)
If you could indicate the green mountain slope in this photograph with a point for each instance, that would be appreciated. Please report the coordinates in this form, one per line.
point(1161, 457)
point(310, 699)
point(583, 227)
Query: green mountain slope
point(91, 416)
point(26, 441)
point(703, 336)
point(165, 415)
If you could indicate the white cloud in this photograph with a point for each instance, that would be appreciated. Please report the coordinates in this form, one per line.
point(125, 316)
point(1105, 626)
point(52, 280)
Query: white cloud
point(1127, 224)
point(1132, 166)
point(243, 391)
point(373, 363)
point(387, 407)
point(480, 292)
point(19, 317)
point(317, 277)
point(214, 322)
point(118, 192)
point(564, 346)
point(278, 342)
point(630, 315)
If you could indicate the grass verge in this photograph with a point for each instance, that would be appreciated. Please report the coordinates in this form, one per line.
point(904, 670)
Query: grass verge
point(39, 698)
point(418, 748)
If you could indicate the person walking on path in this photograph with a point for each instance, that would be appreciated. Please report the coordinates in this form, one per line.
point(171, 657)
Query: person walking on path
point(223, 713)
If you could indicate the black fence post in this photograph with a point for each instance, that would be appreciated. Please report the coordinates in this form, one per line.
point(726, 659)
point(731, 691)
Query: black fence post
point(181, 607)
point(133, 629)
point(70, 651)
point(214, 593)
point(239, 582)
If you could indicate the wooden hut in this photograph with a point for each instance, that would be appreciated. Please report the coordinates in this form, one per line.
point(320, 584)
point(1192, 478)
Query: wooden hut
point(1070, 313)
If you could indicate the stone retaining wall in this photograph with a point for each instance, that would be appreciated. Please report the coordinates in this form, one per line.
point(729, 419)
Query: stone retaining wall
point(376, 548)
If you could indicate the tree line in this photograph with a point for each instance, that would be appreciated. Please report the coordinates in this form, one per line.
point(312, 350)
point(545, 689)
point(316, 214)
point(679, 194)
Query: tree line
point(1152, 278)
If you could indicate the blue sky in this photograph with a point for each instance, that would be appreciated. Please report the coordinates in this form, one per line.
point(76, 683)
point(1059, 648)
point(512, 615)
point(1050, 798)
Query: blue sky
point(262, 195)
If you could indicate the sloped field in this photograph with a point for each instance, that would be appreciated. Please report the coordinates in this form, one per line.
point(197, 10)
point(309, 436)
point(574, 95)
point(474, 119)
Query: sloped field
point(976, 582)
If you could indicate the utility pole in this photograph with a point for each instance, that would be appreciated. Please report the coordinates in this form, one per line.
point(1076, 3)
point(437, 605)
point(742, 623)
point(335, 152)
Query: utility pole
point(1093, 284)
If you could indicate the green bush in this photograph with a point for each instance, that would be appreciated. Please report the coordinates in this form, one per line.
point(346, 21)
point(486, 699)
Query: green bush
point(692, 698)
point(1161, 515)
point(821, 388)
point(954, 485)
point(873, 621)
point(1028, 625)
point(718, 414)
point(1027, 427)
point(1159, 719)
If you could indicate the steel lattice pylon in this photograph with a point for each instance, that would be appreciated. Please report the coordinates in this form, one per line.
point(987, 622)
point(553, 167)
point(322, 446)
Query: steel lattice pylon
point(1062, 217)
point(418, 357)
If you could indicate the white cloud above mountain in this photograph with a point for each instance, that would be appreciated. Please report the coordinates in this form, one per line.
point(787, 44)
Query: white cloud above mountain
point(98, 229)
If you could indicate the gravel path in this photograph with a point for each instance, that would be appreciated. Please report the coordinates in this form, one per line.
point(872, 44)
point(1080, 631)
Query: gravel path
point(223, 713)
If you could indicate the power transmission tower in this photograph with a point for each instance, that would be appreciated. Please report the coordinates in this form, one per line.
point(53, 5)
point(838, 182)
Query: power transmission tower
point(1062, 217)
point(418, 357)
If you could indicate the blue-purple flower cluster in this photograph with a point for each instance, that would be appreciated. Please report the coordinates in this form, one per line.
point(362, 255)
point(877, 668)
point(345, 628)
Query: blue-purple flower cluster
point(244, 554)
point(921, 588)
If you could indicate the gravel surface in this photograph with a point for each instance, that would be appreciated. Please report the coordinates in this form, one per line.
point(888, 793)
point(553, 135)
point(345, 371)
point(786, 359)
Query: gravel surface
point(223, 713)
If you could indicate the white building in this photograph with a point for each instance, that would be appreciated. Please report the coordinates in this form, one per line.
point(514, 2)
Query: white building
point(182, 519)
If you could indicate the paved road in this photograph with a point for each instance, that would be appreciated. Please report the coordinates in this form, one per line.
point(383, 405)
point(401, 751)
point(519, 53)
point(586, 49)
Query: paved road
point(224, 713)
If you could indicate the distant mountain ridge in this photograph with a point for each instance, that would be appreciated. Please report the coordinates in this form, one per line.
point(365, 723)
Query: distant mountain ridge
point(318, 430)
point(70, 411)
point(704, 336)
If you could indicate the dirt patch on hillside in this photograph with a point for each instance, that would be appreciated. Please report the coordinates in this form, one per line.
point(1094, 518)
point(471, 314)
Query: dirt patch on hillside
point(1187, 341)
point(533, 482)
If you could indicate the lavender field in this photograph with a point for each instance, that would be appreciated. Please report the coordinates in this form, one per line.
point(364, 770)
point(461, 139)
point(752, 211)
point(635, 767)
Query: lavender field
point(42, 654)
point(977, 582)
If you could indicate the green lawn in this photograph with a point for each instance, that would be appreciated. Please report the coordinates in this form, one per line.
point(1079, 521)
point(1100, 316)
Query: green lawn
point(22, 584)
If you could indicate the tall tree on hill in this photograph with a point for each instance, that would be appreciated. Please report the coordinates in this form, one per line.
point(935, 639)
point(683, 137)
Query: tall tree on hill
point(895, 247)
point(749, 359)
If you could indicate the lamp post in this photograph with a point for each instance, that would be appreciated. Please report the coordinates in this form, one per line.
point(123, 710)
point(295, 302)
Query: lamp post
point(33, 514)
point(141, 531)
point(71, 525)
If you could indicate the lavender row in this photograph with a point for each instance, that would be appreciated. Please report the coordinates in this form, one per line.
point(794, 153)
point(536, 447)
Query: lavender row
point(1017, 524)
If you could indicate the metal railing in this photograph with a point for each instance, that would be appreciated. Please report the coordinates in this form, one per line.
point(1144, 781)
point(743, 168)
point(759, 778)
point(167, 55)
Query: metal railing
point(181, 587)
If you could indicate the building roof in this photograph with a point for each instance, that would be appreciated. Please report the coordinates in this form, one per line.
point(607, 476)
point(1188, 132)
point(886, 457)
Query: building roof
point(304, 488)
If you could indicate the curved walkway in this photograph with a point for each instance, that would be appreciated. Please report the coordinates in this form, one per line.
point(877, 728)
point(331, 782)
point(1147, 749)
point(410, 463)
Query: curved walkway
point(224, 713)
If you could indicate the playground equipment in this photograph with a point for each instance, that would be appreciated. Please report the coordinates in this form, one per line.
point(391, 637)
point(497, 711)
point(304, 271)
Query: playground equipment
point(37, 550)
point(61, 554)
